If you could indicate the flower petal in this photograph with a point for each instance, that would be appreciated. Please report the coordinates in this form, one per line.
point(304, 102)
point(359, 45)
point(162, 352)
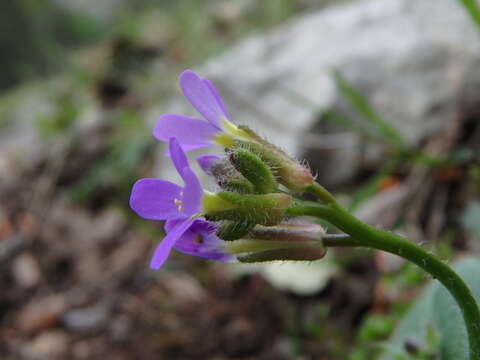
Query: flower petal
point(200, 240)
point(178, 156)
point(191, 133)
point(201, 97)
point(163, 249)
point(154, 199)
point(171, 223)
point(206, 162)
point(217, 96)
point(192, 192)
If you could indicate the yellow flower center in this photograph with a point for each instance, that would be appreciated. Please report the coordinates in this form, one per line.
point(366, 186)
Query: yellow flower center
point(178, 202)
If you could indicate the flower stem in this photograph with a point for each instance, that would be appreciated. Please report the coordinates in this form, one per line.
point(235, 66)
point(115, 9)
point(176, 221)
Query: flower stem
point(321, 193)
point(367, 236)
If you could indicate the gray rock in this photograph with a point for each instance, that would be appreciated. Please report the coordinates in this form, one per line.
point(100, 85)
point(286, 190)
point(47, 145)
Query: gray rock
point(87, 319)
point(413, 60)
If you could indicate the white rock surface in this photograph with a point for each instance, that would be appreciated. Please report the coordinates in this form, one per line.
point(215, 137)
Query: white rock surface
point(411, 59)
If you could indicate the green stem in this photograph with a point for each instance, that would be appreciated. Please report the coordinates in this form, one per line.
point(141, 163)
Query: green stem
point(367, 236)
point(321, 193)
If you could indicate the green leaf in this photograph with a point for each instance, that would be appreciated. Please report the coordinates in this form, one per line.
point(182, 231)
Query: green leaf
point(372, 186)
point(413, 326)
point(472, 10)
point(361, 105)
point(448, 318)
point(436, 310)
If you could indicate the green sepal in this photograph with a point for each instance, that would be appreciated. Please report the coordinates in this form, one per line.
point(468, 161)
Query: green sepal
point(288, 171)
point(237, 184)
point(254, 170)
point(267, 209)
point(234, 230)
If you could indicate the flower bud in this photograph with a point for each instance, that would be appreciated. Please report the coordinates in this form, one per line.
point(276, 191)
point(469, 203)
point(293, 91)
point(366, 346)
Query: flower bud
point(231, 230)
point(305, 253)
point(268, 209)
point(288, 233)
point(294, 242)
point(208, 162)
point(254, 170)
point(288, 171)
point(227, 177)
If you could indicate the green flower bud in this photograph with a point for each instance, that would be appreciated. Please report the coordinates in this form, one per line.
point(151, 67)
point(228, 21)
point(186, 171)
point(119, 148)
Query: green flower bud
point(230, 230)
point(288, 233)
point(254, 170)
point(268, 209)
point(294, 242)
point(228, 178)
point(288, 171)
point(305, 253)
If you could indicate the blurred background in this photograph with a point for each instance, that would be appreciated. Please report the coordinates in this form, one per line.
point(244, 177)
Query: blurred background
point(382, 97)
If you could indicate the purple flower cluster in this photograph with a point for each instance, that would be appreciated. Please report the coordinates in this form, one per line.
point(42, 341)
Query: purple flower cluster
point(157, 199)
point(249, 176)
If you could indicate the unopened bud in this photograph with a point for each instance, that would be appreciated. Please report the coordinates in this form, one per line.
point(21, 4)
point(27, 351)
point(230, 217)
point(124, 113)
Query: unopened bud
point(208, 162)
point(288, 233)
point(227, 177)
point(288, 171)
point(268, 209)
point(230, 230)
point(305, 253)
point(287, 242)
point(254, 170)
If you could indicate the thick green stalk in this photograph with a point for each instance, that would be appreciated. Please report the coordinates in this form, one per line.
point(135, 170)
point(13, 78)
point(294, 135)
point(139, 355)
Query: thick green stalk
point(367, 236)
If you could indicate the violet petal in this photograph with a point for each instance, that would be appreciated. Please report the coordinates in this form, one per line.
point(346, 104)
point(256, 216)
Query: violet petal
point(154, 199)
point(201, 97)
point(191, 133)
point(163, 249)
point(217, 96)
point(200, 240)
point(171, 223)
point(192, 192)
point(206, 162)
point(178, 156)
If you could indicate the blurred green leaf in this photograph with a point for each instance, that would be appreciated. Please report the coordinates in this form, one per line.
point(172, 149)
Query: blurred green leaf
point(372, 186)
point(334, 117)
point(472, 10)
point(375, 327)
point(436, 316)
point(63, 117)
point(363, 108)
point(113, 173)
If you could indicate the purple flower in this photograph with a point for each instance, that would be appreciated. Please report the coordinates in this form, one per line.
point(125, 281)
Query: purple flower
point(157, 199)
point(200, 240)
point(207, 162)
point(194, 133)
